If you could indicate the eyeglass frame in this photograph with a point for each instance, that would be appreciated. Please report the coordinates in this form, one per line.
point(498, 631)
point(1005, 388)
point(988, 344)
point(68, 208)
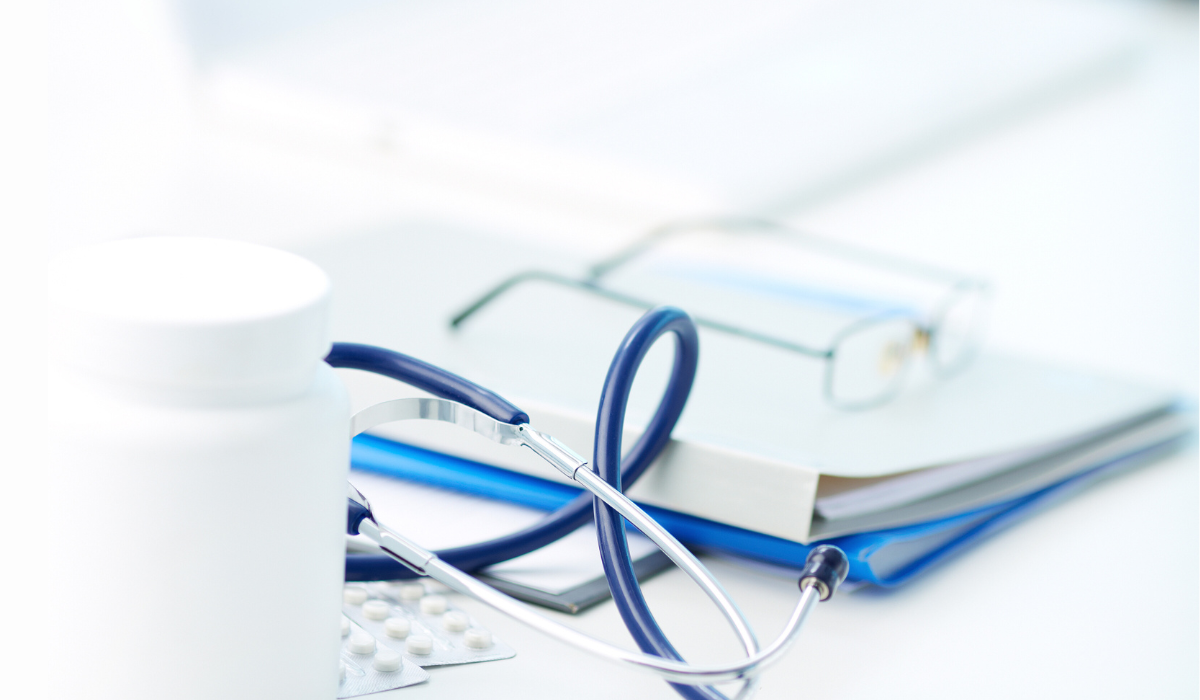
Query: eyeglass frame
point(924, 337)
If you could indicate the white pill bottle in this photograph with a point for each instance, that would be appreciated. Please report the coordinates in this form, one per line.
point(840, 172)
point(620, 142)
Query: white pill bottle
point(196, 499)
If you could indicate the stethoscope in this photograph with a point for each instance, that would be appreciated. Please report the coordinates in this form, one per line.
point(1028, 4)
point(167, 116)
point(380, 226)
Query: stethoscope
point(470, 406)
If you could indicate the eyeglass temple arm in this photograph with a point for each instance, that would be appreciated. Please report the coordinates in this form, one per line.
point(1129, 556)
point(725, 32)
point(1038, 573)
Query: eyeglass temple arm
point(593, 288)
point(648, 241)
point(736, 224)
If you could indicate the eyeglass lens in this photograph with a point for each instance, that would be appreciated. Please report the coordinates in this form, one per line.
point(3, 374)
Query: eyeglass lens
point(957, 330)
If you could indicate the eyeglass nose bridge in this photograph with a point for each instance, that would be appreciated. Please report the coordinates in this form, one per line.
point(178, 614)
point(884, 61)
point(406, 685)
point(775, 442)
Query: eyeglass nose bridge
point(922, 338)
point(920, 344)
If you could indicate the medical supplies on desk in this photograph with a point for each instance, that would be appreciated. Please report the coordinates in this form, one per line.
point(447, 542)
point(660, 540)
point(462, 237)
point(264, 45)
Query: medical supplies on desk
point(198, 353)
point(131, 358)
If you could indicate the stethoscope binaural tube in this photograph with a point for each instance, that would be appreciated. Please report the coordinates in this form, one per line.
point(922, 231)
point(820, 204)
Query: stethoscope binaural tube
point(488, 414)
point(610, 525)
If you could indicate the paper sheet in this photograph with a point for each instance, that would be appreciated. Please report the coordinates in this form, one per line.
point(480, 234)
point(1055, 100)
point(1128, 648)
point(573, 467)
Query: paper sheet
point(438, 518)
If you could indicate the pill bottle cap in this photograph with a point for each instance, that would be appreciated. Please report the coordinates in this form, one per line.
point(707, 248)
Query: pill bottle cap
point(190, 315)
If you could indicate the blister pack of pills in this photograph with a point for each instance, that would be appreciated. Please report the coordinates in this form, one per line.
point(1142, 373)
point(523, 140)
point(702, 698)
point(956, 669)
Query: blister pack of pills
point(422, 626)
point(370, 667)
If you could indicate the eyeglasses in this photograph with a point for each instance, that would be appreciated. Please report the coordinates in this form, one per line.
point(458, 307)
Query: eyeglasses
point(865, 363)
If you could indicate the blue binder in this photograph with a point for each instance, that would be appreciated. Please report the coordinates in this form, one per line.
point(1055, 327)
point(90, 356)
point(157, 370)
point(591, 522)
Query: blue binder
point(884, 557)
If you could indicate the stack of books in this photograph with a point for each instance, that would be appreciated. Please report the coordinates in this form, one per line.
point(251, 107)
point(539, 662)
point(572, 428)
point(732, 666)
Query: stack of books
point(760, 465)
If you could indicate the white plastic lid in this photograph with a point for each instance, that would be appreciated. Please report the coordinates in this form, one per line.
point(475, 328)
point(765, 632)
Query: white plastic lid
point(190, 314)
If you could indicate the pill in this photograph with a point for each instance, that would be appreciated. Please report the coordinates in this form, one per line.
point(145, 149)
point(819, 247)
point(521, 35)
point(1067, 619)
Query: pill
point(397, 627)
point(433, 604)
point(341, 671)
point(376, 610)
point(362, 643)
point(412, 591)
point(354, 595)
point(387, 660)
point(476, 638)
point(345, 626)
point(455, 621)
point(419, 644)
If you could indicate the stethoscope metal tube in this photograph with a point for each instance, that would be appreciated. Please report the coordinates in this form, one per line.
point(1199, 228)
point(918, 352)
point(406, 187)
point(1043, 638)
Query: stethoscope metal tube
point(427, 563)
point(570, 465)
point(813, 588)
point(676, 671)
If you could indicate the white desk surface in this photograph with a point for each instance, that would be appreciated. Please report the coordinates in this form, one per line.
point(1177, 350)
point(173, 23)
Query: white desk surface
point(1092, 207)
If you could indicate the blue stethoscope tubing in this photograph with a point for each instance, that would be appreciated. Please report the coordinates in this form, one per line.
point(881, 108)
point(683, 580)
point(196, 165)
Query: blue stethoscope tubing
point(610, 420)
point(616, 470)
point(574, 514)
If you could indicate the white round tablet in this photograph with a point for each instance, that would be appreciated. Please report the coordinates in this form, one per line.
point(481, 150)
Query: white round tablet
point(354, 595)
point(376, 610)
point(433, 604)
point(476, 638)
point(419, 644)
point(387, 660)
point(397, 627)
point(345, 625)
point(412, 591)
point(362, 643)
point(455, 621)
point(341, 671)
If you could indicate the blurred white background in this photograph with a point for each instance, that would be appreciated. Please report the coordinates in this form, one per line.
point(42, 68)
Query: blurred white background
point(1070, 180)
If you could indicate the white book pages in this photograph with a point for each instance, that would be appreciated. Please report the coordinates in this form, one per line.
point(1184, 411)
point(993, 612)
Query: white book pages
point(1151, 437)
point(845, 498)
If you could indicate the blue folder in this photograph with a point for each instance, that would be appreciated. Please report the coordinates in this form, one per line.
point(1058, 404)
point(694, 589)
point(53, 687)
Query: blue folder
point(884, 557)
